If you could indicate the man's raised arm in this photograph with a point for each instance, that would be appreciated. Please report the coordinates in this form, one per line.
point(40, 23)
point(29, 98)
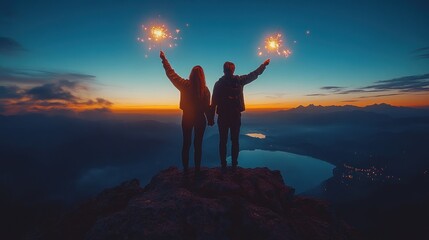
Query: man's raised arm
point(246, 79)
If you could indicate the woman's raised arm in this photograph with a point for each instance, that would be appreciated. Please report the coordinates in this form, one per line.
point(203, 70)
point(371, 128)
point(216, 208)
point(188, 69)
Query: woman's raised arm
point(177, 81)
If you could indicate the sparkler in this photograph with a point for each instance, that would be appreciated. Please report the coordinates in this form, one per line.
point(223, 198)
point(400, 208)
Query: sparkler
point(273, 44)
point(156, 36)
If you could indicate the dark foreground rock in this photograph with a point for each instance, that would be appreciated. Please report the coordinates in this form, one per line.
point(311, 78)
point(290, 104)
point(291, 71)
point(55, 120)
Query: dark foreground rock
point(247, 204)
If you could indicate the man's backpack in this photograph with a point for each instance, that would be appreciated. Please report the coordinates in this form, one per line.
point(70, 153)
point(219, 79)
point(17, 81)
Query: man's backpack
point(232, 91)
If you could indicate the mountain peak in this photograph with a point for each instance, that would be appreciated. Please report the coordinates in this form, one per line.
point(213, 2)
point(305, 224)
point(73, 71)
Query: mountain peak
point(247, 204)
point(380, 105)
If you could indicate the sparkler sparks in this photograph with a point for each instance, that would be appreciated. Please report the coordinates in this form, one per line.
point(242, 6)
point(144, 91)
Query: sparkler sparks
point(156, 36)
point(158, 33)
point(273, 44)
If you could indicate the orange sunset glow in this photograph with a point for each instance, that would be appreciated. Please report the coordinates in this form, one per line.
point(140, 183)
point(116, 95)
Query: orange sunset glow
point(261, 105)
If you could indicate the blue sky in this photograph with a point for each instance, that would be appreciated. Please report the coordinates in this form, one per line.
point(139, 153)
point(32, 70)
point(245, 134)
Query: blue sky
point(352, 45)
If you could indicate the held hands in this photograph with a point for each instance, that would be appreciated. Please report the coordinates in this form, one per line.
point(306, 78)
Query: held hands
point(266, 62)
point(210, 122)
point(162, 55)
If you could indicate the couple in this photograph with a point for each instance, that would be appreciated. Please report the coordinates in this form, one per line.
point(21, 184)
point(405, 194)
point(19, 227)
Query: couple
point(227, 102)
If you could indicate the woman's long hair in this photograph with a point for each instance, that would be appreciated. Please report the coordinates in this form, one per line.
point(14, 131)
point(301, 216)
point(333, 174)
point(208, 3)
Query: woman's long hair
point(198, 81)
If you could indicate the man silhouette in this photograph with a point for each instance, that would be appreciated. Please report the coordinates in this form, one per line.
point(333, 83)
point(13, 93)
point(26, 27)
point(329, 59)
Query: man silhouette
point(228, 103)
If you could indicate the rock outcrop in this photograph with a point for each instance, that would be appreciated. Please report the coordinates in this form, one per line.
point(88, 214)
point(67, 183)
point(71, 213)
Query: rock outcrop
point(246, 204)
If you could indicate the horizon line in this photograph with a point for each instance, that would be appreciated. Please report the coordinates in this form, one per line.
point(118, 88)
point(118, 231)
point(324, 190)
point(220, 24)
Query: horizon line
point(251, 108)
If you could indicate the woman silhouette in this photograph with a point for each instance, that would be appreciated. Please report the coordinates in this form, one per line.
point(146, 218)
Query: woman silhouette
point(195, 103)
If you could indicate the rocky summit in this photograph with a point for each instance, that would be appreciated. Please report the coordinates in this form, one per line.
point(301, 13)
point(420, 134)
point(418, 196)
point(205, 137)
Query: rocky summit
point(245, 204)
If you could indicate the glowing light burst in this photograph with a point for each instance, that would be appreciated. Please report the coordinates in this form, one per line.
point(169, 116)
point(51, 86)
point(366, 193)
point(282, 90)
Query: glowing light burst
point(274, 44)
point(158, 36)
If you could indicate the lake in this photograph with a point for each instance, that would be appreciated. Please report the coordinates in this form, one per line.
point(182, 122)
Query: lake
point(300, 172)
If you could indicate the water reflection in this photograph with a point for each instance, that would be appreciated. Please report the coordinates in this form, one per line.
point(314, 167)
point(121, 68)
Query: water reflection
point(256, 135)
point(300, 172)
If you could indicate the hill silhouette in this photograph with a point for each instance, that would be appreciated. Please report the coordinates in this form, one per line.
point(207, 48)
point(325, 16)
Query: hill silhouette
point(49, 163)
point(247, 204)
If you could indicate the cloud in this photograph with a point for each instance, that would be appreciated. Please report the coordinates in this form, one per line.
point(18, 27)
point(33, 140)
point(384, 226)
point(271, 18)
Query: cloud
point(421, 49)
point(332, 88)
point(10, 92)
point(30, 76)
point(413, 83)
point(353, 91)
point(380, 95)
point(395, 86)
point(316, 95)
point(43, 91)
point(54, 91)
point(49, 104)
point(350, 101)
point(422, 52)
point(9, 46)
point(99, 101)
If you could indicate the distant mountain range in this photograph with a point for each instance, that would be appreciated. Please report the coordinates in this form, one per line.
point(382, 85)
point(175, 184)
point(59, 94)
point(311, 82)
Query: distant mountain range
point(372, 115)
point(382, 108)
